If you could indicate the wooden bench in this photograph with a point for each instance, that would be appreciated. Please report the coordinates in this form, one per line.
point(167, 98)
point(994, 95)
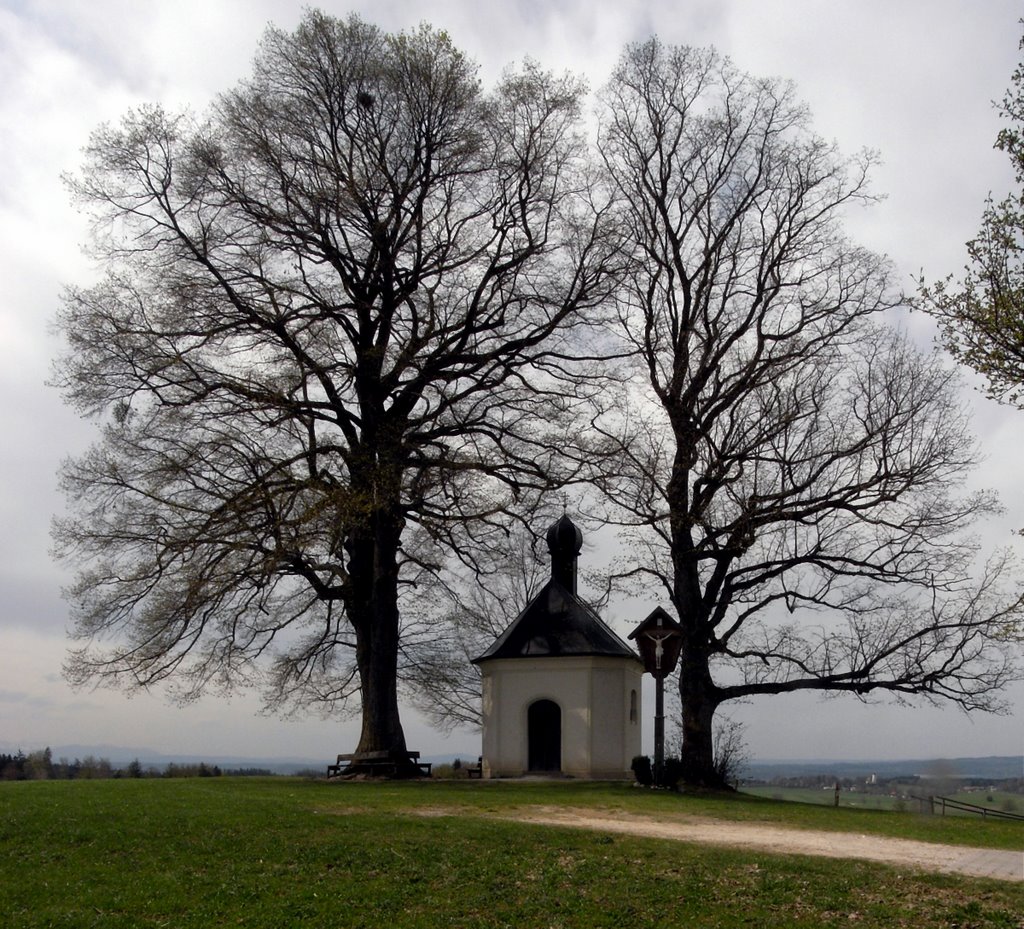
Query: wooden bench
point(383, 763)
point(476, 770)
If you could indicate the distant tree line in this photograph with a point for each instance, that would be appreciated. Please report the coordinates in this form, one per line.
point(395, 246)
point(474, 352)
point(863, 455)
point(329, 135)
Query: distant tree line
point(40, 766)
point(883, 785)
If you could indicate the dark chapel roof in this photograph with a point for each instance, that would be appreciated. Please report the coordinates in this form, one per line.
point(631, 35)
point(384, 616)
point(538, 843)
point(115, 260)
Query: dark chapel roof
point(556, 622)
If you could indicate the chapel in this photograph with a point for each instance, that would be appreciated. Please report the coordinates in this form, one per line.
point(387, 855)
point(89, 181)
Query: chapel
point(561, 691)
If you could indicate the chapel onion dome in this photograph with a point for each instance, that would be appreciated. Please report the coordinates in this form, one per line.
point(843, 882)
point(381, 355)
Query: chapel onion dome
point(564, 538)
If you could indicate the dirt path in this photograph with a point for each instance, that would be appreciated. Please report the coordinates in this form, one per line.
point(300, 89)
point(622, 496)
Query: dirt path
point(951, 859)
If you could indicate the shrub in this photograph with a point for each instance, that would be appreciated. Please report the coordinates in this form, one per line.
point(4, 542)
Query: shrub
point(672, 772)
point(641, 767)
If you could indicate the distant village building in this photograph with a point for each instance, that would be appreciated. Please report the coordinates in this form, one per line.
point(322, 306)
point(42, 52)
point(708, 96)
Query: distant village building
point(561, 691)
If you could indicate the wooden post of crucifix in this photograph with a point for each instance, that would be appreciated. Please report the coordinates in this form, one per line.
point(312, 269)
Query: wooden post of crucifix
point(659, 639)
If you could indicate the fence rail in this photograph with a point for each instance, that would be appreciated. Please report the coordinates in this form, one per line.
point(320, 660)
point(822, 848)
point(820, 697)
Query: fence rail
point(943, 802)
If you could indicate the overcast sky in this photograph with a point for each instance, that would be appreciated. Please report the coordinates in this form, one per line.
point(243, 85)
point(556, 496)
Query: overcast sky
point(912, 79)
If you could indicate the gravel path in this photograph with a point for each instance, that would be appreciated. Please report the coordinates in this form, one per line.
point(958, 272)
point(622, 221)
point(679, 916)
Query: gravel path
point(951, 859)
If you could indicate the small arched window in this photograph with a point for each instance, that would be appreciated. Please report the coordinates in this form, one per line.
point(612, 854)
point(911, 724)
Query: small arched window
point(632, 706)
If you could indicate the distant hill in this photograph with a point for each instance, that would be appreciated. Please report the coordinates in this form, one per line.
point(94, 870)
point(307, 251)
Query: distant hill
point(996, 767)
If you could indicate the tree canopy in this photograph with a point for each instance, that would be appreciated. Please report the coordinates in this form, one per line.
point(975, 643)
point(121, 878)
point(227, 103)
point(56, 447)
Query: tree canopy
point(340, 335)
point(981, 315)
point(790, 466)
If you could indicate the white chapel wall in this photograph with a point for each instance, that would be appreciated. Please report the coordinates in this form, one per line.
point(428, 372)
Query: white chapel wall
point(594, 693)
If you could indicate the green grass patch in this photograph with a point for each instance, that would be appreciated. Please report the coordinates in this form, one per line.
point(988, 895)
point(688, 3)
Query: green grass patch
point(284, 852)
point(507, 796)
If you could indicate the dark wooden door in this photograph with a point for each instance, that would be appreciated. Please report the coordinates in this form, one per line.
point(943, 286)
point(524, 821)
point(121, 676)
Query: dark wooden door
point(544, 734)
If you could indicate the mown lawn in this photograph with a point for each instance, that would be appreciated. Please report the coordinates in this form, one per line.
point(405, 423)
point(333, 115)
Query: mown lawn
point(281, 852)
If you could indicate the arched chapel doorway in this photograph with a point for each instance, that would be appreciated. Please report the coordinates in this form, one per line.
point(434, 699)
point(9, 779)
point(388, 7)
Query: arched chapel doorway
point(544, 735)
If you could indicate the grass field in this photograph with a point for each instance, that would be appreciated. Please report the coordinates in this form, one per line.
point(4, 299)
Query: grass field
point(281, 852)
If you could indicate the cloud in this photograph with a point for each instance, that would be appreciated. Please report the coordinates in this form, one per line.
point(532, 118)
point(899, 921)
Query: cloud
point(24, 699)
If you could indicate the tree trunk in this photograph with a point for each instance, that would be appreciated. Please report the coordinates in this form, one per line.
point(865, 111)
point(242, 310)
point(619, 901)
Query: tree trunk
point(377, 662)
point(699, 698)
point(697, 691)
point(373, 610)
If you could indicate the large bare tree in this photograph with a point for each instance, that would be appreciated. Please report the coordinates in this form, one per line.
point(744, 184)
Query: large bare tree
point(792, 469)
point(341, 333)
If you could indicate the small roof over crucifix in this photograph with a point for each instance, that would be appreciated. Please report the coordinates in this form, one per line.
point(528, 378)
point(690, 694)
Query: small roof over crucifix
point(659, 639)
